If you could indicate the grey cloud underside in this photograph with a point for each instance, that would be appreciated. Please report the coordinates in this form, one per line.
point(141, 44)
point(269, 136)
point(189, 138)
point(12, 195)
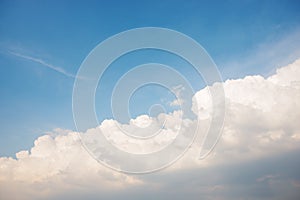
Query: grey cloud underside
point(274, 178)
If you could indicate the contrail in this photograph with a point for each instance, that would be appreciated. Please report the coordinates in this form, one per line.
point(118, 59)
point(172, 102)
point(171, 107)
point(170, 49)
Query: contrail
point(42, 62)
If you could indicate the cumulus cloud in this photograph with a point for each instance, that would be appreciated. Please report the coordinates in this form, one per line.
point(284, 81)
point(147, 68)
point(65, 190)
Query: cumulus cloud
point(261, 122)
point(54, 165)
point(262, 114)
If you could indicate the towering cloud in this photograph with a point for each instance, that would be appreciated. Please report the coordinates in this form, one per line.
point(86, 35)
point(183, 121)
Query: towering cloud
point(262, 114)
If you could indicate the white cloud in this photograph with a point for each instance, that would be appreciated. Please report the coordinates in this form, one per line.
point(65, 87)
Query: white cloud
point(44, 63)
point(114, 132)
point(261, 114)
point(56, 165)
point(261, 121)
point(177, 90)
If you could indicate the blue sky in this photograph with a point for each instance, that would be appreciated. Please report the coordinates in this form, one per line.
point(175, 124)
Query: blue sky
point(35, 99)
point(256, 47)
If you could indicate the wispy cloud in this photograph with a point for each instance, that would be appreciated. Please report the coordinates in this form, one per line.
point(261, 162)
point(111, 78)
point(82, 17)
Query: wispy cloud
point(44, 63)
point(264, 58)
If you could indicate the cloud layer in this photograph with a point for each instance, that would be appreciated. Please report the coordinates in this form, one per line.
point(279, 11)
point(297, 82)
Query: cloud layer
point(261, 128)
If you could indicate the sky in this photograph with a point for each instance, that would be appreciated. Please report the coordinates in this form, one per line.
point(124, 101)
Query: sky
point(254, 44)
point(62, 34)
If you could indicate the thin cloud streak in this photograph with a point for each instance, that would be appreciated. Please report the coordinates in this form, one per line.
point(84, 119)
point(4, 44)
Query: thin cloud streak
point(42, 62)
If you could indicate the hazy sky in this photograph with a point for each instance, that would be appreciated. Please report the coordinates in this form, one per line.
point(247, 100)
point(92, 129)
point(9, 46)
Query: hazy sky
point(42, 45)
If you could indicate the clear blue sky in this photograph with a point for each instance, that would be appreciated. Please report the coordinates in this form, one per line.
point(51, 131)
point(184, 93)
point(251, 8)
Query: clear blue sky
point(35, 99)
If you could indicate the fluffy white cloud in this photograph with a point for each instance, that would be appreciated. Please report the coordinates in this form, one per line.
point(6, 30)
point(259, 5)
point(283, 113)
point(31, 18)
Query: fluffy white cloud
point(262, 114)
point(55, 165)
point(262, 117)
